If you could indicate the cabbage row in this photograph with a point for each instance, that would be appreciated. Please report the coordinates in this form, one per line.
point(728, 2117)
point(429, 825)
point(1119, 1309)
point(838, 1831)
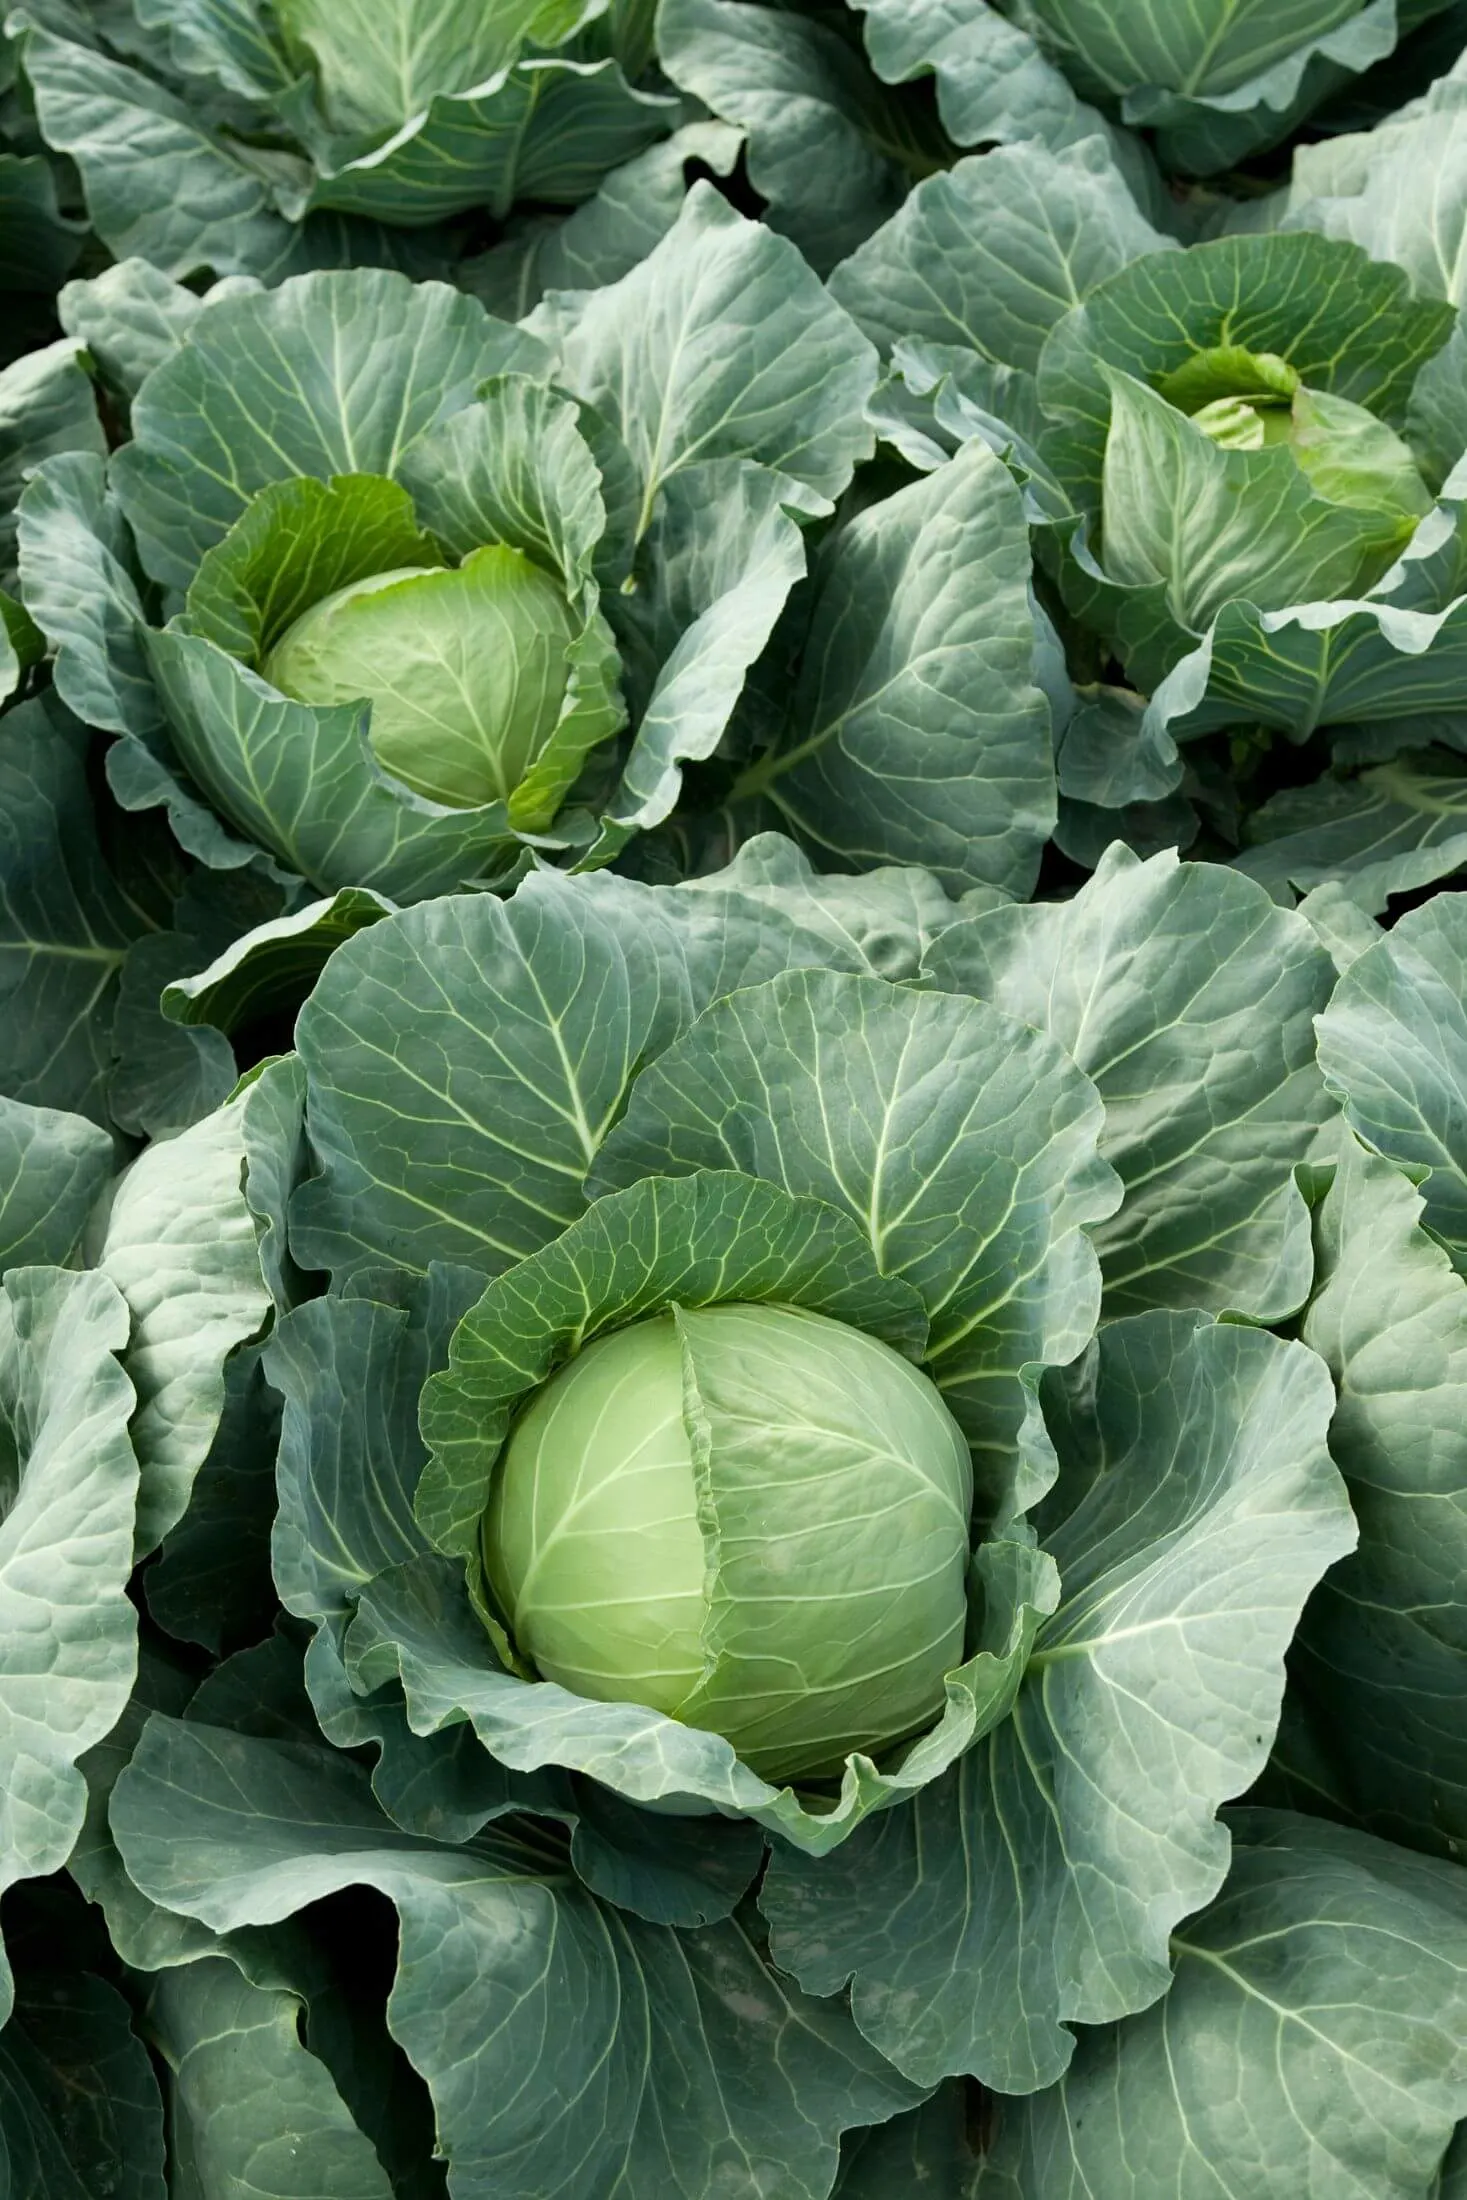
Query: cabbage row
point(733, 1100)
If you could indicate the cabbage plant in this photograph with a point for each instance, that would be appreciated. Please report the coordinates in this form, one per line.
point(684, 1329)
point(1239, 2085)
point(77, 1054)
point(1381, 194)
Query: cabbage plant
point(462, 584)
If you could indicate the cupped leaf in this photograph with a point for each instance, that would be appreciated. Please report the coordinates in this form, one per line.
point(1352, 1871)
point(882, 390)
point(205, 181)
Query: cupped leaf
point(47, 405)
point(180, 1245)
point(722, 344)
point(1183, 980)
point(82, 586)
point(53, 1167)
point(1345, 323)
point(1383, 1651)
point(689, 2059)
point(1393, 1046)
point(377, 65)
point(370, 362)
point(273, 963)
point(991, 253)
point(688, 1241)
point(829, 148)
point(914, 731)
point(961, 1142)
point(465, 1060)
point(253, 2110)
point(543, 129)
point(68, 1634)
point(1313, 2033)
point(1035, 1886)
point(301, 780)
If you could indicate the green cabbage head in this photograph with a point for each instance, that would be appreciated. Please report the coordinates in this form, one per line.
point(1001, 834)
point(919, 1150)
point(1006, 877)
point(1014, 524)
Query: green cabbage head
point(749, 1517)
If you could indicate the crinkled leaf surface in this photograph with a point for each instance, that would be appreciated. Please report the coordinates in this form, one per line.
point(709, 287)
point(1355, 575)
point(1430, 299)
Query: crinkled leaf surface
point(52, 1168)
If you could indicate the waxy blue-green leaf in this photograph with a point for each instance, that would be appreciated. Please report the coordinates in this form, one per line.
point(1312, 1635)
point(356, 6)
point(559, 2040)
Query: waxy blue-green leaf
point(1036, 1885)
point(180, 1245)
point(39, 245)
point(83, 588)
point(962, 1142)
point(253, 2110)
point(1182, 980)
point(65, 921)
point(68, 1634)
point(1383, 1651)
point(272, 964)
point(1397, 653)
point(377, 63)
point(914, 732)
point(544, 130)
point(722, 344)
point(132, 316)
point(370, 362)
point(829, 148)
point(994, 83)
point(160, 183)
point(53, 1167)
point(688, 2061)
point(1393, 1046)
point(47, 404)
point(1390, 830)
point(1312, 2037)
point(465, 1059)
point(991, 253)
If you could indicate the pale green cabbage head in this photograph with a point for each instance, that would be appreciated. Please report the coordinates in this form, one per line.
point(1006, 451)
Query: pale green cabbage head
point(751, 1518)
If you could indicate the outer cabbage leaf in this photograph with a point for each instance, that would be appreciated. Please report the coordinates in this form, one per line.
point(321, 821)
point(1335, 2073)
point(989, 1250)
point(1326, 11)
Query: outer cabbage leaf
point(1036, 1885)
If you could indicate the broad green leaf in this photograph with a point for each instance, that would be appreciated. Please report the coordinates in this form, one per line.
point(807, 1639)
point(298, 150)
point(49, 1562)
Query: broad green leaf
point(505, 1034)
point(1345, 324)
point(132, 316)
point(416, 1628)
point(53, 1166)
point(1311, 2041)
point(180, 1246)
point(546, 131)
point(1207, 525)
point(378, 62)
point(160, 183)
point(721, 344)
point(1399, 654)
point(1393, 1046)
point(1036, 1885)
point(960, 1141)
point(46, 405)
point(994, 251)
point(350, 1372)
point(894, 748)
point(272, 966)
point(254, 2113)
point(1391, 830)
point(829, 148)
point(688, 2059)
point(65, 922)
point(1135, 45)
point(927, 2151)
point(994, 82)
point(725, 549)
point(370, 361)
point(68, 1634)
point(80, 2111)
point(83, 589)
point(607, 235)
point(1182, 981)
point(1383, 1652)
